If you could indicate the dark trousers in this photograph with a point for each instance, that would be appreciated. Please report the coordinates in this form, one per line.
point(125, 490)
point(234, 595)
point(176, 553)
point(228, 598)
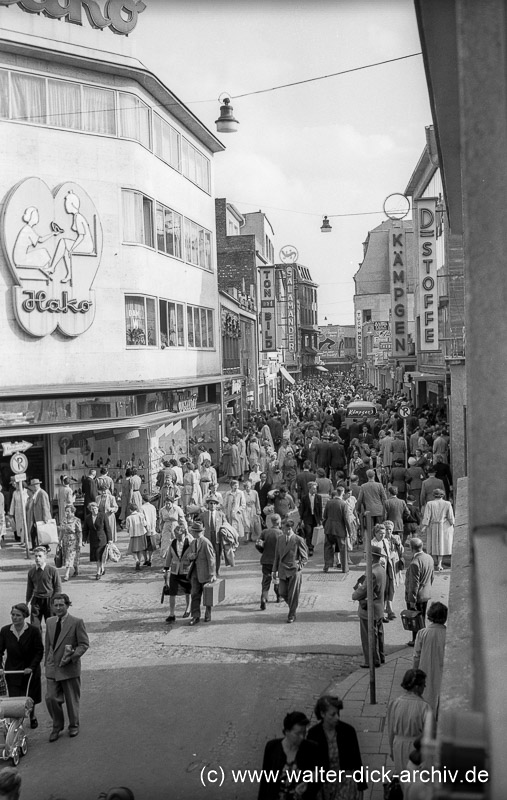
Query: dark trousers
point(329, 551)
point(378, 643)
point(196, 596)
point(290, 588)
point(422, 608)
point(267, 571)
point(34, 537)
point(41, 609)
point(58, 693)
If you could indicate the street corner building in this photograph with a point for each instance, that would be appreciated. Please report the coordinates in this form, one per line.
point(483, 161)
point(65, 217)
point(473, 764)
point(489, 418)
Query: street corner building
point(109, 305)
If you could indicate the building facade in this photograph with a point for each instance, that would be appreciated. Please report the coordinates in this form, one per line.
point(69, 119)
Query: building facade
point(337, 347)
point(238, 328)
point(384, 305)
point(109, 302)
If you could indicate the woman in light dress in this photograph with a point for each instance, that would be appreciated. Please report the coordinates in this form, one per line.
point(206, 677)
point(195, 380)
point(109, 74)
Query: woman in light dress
point(70, 538)
point(254, 453)
point(191, 493)
point(134, 490)
point(406, 716)
point(234, 508)
point(108, 505)
point(251, 516)
point(25, 252)
point(65, 496)
point(438, 524)
point(135, 525)
point(429, 652)
point(170, 515)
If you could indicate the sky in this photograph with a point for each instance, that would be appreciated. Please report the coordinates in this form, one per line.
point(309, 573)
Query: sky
point(337, 146)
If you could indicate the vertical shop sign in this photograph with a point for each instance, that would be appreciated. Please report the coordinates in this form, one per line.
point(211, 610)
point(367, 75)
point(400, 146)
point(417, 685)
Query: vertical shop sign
point(291, 311)
point(427, 273)
point(359, 335)
point(268, 310)
point(398, 278)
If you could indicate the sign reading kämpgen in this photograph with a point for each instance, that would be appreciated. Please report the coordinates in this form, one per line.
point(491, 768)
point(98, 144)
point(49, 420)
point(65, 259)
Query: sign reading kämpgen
point(119, 15)
point(398, 274)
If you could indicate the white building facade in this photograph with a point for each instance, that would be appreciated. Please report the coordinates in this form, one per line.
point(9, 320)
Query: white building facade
point(108, 290)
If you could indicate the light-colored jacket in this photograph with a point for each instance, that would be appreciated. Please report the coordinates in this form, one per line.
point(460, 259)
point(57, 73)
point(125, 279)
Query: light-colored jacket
point(73, 633)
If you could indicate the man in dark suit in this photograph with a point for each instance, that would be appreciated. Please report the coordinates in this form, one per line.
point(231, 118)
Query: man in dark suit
point(291, 554)
point(360, 594)
point(269, 538)
point(337, 526)
point(213, 519)
point(66, 642)
point(310, 512)
point(418, 580)
point(89, 487)
point(262, 488)
point(304, 478)
point(202, 570)
point(337, 460)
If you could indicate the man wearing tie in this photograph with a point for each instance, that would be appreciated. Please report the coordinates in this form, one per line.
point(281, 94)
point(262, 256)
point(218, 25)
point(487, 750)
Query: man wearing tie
point(202, 570)
point(66, 642)
point(291, 554)
point(213, 519)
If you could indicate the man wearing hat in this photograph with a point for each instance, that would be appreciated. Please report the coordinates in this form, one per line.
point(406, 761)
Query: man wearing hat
point(418, 580)
point(213, 519)
point(38, 509)
point(360, 594)
point(202, 570)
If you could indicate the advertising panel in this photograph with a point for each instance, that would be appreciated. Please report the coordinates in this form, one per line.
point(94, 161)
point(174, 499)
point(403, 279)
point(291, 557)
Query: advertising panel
point(398, 278)
point(268, 310)
point(427, 273)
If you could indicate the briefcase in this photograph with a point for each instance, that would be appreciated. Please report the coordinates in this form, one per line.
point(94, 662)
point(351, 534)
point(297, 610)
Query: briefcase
point(318, 535)
point(214, 592)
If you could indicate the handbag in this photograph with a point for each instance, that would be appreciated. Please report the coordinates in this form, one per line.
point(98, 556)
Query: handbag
point(259, 545)
point(348, 541)
point(59, 557)
point(412, 620)
point(112, 552)
point(47, 532)
point(165, 592)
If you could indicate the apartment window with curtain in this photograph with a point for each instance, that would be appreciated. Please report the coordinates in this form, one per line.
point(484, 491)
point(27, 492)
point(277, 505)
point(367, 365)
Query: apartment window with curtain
point(4, 93)
point(195, 165)
point(166, 142)
point(28, 93)
point(169, 225)
point(140, 321)
point(199, 327)
point(137, 218)
point(197, 245)
point(171, 316)
point(134, 119)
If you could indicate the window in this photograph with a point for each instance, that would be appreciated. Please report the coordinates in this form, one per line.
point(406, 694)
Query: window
point(195, 165)
point(168, 231)
point(98, 111)
point(197, 245)
point(64, 104)
point(4, 93)
point(199, 327)
point(28, 98)
point(140, 321)
point(171, 324)
point(137, 218)
point(134, 118)
point(166, 143)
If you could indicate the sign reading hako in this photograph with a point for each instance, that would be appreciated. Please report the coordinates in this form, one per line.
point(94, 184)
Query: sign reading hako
point(428, 292)
point(52, 242)
point(398, 277)
point(119, 15)
point(268, 311)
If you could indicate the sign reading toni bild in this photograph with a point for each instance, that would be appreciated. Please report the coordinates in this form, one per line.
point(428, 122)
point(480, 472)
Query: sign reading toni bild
point(52, 242)
point(398, 277)
point(427, 275)
point(118, 15)
point(268, 310)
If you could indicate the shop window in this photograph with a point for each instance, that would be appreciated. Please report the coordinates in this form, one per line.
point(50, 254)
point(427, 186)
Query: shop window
point(200, 327)
point(171, 324)
point(140, 321)
point(137, 218)
point(134, 118)
point(28, 98)
point(168, 231)
point(166, 142)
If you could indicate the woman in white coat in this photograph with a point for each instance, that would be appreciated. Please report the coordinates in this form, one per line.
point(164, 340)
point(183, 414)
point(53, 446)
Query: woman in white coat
point(235, 507)
point(438, 524)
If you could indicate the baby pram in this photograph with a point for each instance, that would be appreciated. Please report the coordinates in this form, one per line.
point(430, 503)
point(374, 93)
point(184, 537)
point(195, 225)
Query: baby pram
point(13, 712)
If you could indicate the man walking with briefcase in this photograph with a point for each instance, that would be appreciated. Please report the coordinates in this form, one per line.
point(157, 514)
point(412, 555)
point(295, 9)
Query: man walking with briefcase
point(202, 570)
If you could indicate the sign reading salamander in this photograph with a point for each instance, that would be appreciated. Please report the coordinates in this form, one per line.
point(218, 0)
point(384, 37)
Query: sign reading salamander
point(119, 15)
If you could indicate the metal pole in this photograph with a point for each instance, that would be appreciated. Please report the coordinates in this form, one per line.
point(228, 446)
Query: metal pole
point(369, 599)
point(405, 436)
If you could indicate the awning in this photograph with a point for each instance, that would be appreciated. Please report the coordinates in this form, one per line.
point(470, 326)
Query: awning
point(321, 369)
point(288, 377)
point(422, 376)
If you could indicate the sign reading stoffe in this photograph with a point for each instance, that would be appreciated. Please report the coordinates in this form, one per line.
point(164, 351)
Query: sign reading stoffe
point(268, 310)
point(398, 276)
point(52, 240)
point(119, 15)
point(428, 292)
